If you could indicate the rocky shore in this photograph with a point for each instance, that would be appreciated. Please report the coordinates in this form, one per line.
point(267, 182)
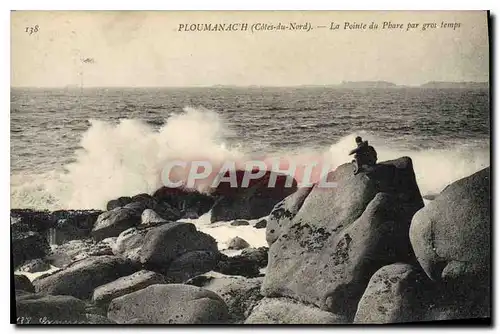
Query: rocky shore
point(366, 251)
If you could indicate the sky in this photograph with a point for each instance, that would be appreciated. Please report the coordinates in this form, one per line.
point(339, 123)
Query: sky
point(141, 49)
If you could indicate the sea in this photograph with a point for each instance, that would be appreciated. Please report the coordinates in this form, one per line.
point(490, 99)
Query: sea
point(77, 148)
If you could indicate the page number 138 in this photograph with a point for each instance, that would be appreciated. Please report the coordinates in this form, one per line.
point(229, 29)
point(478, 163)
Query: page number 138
point(32, 30)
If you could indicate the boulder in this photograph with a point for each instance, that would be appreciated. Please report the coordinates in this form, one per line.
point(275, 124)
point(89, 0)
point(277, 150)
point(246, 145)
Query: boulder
point(104, 294)
point(239, 222)
point(21, 282)
point(165, 243)
point(191, 264)
point(451, 239)
point(28, 245)
point(237, 243)
point(287, 311)
point(256, 255)
point(340, 236)
point(129, 243)
point(238, 265)
point(118, 203)
point(75, 250)
point(169, 304)
point(261, 224)
point(252, 202)
point(35, 265)
point(149, 217)
point(451, 235)
point(283, 212)
point(81, 278)
point(240, 294)
point(40, 309)
point(189, 203)
point(395, 294)
point(112, 223)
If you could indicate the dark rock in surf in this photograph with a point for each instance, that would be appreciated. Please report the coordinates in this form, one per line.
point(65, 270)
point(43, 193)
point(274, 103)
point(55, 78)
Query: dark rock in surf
point(252, 202)
point(325, 252)
point(256, 255)
point(169, 304)
point(240, 222)
point(104, 294)
point(81, 278)
point(118, 203)
point(190, 203)
point(237, 243)
point(21, 282)
point(112, 223)
point(27, 246)
point(261, 224)
point(238, 265)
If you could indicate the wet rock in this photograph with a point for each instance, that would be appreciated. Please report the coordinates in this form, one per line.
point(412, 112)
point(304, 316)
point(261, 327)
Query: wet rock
point(261, 224)
point(237, 243)
point(239, 222)
point(190, 204)
point(118, 203)
point(28, 246)
point(256, 255)
point(238, 265)
point(252, 202)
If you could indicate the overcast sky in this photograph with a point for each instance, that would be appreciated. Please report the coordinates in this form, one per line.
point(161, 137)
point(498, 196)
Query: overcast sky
point(146, 49)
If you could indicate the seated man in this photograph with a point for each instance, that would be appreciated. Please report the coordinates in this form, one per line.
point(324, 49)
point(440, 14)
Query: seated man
point(363, 155)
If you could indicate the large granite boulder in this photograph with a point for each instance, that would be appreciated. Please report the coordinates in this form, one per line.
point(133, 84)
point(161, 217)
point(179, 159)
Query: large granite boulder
point(451, 238)
point(104, 294)
point(112, 223)
point(165, 243)
point(240, 294)
point(396, 293)
point(451, 235)
point(169, 304)
point(286, 311)
point(28, 245)
point(252, 202)
point(81, 278)
point(340, 236)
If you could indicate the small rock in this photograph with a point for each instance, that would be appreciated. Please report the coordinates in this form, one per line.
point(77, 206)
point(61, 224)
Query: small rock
point(261, 224)
point(237, 243)
point(239, 222)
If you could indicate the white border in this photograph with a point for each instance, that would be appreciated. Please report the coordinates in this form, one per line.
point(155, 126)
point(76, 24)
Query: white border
point(200, 5)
